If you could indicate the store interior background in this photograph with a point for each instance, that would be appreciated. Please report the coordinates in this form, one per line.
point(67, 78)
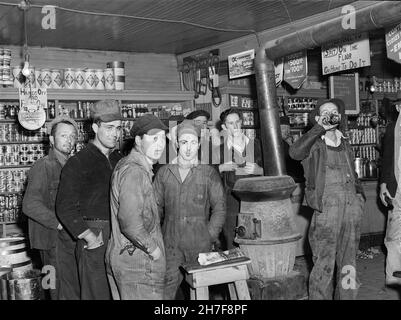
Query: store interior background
point(153, 52)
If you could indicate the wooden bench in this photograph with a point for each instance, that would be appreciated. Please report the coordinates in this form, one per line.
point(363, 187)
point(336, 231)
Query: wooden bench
point(233, 272)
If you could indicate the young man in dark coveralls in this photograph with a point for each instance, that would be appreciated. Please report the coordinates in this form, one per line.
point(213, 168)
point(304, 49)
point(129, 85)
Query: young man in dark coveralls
point(334, 192)
point(191, 200)
point(83, 200)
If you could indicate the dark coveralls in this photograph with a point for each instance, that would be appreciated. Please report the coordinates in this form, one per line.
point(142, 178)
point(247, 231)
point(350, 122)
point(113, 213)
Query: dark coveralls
point(333, 191)
point(194, 214)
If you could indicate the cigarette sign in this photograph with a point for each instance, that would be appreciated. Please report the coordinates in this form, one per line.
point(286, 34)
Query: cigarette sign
point(348, 53)
point(393, 44)
point(241, 64)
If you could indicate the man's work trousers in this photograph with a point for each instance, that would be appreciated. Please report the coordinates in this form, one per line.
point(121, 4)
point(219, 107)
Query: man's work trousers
point(334, 238)
point(67, 268)
point(393, 241)
point(137, 276)
point(92, 268)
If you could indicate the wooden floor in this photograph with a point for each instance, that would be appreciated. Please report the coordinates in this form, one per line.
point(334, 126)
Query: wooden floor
point(371, 274)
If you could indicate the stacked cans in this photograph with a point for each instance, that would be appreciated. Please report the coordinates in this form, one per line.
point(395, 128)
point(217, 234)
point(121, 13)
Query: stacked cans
point(13, 132)
point(10, 207)
point(359, 136)
point(13, 180)
point(365, 152)
point(21, 154)
point(5, 68)
point(119, 74)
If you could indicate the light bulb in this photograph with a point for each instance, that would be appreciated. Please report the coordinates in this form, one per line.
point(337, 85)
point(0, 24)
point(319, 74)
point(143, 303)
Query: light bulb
point(25, 69)
point(372, 88)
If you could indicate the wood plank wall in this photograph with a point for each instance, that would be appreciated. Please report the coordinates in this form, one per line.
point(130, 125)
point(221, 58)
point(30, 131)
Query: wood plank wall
point(142, 71)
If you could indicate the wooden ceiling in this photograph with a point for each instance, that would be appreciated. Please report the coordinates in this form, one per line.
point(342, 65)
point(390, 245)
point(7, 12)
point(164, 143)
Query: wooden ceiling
point(97, 32)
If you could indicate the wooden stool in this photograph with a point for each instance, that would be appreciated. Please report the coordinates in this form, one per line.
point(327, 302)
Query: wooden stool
point(233, 272)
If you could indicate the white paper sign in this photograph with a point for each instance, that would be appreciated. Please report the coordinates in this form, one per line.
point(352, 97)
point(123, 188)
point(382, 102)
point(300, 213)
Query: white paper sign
point(31, 114)
point(348, 53)
point(241, 64)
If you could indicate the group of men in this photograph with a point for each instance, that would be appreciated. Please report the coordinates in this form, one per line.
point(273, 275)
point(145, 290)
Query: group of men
point(113, 229)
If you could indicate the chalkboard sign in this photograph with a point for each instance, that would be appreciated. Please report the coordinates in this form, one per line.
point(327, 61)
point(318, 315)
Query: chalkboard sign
point(346, 88)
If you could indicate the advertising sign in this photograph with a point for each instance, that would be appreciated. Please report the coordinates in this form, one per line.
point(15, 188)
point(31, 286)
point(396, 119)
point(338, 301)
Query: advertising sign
point(32, 115)
point(241, 64)
point(348, 53)
point(295, 69)
point(393, 44)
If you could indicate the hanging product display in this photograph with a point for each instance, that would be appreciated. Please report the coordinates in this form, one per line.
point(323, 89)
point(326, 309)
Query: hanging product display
point(31, 114)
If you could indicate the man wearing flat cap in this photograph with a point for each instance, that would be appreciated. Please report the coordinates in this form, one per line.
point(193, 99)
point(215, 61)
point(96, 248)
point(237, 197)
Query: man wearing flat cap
point(83, 205)
point(191, 202)
point(335, 193)
point(46, 234)
point(135, 257)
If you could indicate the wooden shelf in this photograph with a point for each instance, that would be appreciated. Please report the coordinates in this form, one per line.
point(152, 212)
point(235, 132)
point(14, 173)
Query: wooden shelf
point(25, 142)
point(15, 167)
point(249, 127)
point(363, 95)
point(94, 95)
point(244, 109)
point(299, 111)
point(8, 120)
point(8, 222)
point(7, 193)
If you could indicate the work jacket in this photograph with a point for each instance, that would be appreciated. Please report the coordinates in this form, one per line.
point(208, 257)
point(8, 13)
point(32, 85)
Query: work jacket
point(84, 190)
point(312, 150)
point(223, 154)
point(193, 211)
point(134, 213)
point(39, 201)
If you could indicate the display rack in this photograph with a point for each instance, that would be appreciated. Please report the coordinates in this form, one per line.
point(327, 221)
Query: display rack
point(159, 103)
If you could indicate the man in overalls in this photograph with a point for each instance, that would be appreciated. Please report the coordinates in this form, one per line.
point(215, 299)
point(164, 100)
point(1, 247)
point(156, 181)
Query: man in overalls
point(334, 192)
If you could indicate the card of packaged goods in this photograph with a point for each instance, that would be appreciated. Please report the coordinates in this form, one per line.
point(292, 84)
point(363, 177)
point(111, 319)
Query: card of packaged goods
point(208, 258)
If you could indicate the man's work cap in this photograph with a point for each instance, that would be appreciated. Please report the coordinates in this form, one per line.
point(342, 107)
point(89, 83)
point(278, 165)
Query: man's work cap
point(147, 124)
point(63, 118)
point(187, 126)
point(106, 111)
point(198, 113)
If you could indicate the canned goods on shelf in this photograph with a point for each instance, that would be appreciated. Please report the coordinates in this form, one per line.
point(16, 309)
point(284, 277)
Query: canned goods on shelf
point(57, 78)
point(79, 79)
point(69, 78)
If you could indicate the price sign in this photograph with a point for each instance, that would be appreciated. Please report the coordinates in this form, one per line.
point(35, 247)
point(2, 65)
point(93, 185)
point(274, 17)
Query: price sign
point(32, 115)
point(345, 54)
point(393, 44)
point(295, 69)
